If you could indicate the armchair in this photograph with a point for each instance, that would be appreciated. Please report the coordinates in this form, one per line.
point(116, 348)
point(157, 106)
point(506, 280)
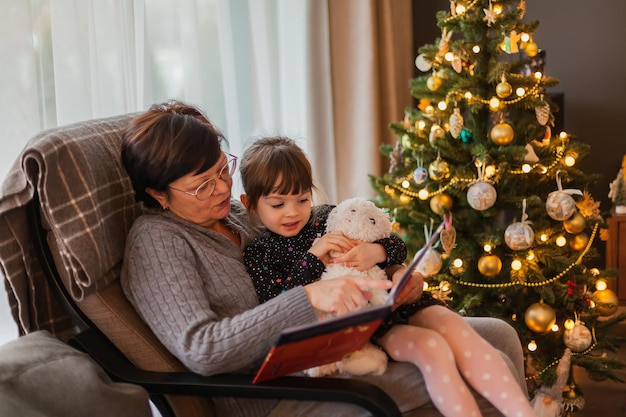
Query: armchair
point(65, 209)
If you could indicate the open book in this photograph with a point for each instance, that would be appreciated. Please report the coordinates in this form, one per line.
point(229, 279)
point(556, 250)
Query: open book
point(303, 347)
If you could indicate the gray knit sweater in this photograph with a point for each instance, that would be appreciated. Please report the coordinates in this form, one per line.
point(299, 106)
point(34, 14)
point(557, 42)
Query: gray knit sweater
point(189, 284)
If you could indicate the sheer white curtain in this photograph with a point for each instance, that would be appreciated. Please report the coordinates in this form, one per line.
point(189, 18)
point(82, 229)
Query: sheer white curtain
point(258, 67)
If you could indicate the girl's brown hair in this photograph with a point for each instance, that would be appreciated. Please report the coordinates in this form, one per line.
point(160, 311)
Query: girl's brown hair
point(274, 165)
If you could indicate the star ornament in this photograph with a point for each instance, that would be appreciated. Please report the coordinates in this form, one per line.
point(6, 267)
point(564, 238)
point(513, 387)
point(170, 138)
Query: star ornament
point(490, 15)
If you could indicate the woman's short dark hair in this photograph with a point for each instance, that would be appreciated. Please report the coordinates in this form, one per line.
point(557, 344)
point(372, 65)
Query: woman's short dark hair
point(168, 141)
point(272, 158)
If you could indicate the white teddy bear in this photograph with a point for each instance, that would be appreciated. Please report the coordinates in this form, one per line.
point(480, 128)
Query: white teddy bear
point(358, 219)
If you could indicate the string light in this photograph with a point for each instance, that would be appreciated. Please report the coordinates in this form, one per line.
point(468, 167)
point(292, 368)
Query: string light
point(569, 324)
point(601, 285)
point(532, 346)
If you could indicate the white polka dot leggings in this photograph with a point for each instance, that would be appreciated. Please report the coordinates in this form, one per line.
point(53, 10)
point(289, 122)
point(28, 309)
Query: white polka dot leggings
point(444, 347)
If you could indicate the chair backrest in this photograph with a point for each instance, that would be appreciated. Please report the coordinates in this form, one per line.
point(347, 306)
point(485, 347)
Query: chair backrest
point(87, 207)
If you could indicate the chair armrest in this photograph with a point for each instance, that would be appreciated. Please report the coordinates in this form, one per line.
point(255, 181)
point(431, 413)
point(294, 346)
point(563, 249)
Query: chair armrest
point(359, 393)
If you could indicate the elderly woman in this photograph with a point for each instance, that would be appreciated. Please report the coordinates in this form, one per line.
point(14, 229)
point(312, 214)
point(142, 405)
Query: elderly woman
point(183, 269)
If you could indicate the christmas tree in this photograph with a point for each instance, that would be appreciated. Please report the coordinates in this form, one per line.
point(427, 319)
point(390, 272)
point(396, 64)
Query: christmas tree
point(479, 154)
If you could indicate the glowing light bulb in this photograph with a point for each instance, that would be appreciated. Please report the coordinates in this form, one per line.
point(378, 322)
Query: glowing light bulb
point(468, 96)
point(476, 49)
point(429, 109)
point(526, 168)
point(494, 103)
point(460, 9)
point(422, 194)
point(421, 124)
point(569, 324)
point(601, 285)
point(487, 247)
point(458, 262)
point(520, 91)
point(406, 184)
point(569, 161)
point(543, 237)
point(516, 265)
point(449, 56)
point(538, 75)
point(530, 256)
point(525, 37)
point(490, 171)
point(563, 135)
point(532, 346)
point(555, 327)
point(442, 105)
point(561, 241)
point(425, 285)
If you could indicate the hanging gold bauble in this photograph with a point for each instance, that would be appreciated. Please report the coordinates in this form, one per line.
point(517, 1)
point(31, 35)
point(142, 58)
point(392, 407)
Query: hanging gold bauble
point(575, 224)
point(438, 169)
point(489, 265)
point(502, 134)
point(540, 317)
point(606, 302)
point(433, 83)
point(531, 49)
point(504, 89)
point(579, 242)
point(441, 203)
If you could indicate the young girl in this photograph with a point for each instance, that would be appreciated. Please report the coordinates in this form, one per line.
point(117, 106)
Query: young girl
point(277, 179)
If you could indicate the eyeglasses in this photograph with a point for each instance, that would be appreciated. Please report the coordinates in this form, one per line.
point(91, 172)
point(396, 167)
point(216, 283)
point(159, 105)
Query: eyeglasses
point(205, 190)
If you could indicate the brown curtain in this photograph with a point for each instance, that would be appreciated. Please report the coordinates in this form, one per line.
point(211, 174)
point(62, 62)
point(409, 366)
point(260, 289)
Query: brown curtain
point(371, 62)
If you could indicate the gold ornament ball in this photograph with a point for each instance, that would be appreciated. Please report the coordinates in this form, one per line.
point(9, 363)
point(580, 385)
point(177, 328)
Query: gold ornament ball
point(433, 83)
point(575, 224)
point(438, 170)
point(606, 302)
point(579, 242)
point(489, 265)
point(441, 203)
point(502, 134)
point(540, 317)
point(504, 89)
point(531, 49)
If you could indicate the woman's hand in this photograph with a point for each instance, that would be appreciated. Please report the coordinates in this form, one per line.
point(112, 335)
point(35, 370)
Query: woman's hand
point(342, 295)
point(413, 289)
point(363, 256)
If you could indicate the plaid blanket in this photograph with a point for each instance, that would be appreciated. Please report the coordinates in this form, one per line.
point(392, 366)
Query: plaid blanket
point(86, 200)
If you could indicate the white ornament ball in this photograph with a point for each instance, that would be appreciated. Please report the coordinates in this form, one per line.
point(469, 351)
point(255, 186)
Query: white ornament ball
point(422, 63)
point(519, 236)
point(560, 205)
point(430, 264)
point(419, 175)
point(481, 196)
point(578, 338)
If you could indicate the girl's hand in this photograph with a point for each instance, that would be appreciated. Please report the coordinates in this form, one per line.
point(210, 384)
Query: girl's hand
point(342, 295)
point(363, 256)
point(331, 242)
point(412, 291)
